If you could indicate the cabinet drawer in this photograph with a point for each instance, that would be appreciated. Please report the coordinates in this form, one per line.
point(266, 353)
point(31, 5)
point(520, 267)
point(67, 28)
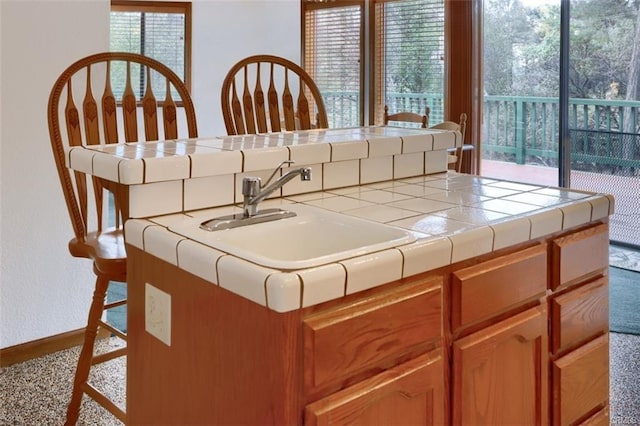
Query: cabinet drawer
point(490, 288)
point(351, 338)
point(579, 314)
point(408, 394)
point(580, 255)
point(581, 382)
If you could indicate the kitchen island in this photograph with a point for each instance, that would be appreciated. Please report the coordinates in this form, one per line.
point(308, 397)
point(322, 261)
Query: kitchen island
point(496, 312)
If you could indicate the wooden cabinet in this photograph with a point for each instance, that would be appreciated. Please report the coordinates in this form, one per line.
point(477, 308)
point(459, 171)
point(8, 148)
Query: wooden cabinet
point(497, 286)
point(519, 338)
point(579, 310)
point(579, 315)
point(581, 382)
point(500, 372)
point(411, 393)
point(349, 339)
point(579, 255)
point(365, 361)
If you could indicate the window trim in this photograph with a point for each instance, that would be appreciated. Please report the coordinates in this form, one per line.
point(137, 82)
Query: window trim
point(164, 7)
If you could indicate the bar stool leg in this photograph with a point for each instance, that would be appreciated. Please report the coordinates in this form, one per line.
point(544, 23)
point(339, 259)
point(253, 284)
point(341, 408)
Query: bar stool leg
point(86, 354)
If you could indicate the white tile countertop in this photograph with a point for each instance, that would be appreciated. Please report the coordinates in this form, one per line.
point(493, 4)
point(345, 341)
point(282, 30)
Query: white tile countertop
point(453, 216)
point(181, 175)
point(394, 176)
point(150, 162)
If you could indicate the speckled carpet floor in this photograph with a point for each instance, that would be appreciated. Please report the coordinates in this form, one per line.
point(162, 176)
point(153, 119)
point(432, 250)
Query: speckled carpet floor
point(36, 392)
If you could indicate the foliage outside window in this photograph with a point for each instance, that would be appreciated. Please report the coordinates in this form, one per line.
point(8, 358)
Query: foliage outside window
point(405, 68)
point(409, 56)
point(521, 69)
point(159, 30)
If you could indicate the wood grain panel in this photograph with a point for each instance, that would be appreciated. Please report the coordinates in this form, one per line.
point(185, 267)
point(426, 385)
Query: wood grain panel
point(342, 341)
point(580, 255)
point(601, 418)
point(231, 361)
point(500, 373)
point(581, 382)
point(408, 394)
point(494, 286)
point(579, 314)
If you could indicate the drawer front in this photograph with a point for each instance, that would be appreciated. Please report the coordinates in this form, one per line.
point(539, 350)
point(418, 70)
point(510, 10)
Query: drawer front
point(411, 393)
point(581, 382)
point(493, 287)
point(349, 339)
point(579, 314)
point(580, 255)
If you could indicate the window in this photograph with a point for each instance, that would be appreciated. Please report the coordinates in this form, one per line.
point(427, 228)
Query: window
point(333, 58)
point(404, 70)
point(409, 56)
point(160, 30)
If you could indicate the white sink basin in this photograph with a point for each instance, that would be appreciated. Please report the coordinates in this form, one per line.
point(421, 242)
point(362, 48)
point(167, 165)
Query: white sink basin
point(313, 237)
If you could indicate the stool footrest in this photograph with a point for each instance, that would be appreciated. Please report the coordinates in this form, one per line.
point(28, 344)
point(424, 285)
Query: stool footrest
point(115, 304)
point(113, 330)
point(109, 405)
point(108, 356)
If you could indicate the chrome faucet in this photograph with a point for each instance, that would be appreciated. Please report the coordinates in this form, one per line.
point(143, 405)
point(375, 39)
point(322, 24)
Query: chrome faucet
point(254, 193)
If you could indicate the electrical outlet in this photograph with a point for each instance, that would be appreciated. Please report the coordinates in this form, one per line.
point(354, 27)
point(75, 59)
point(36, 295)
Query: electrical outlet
point(157, 313)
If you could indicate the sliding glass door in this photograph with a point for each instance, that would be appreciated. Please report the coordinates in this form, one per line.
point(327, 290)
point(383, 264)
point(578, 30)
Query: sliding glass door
point(562, 98)
point(520, 126)
point(604, 106)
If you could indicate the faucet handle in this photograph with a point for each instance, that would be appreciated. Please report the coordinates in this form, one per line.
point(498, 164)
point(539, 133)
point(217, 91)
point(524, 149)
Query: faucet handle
point(277, 169)
point(251, 186)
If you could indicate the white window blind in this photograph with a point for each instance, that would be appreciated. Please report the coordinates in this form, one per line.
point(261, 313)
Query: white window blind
point(409, 56)
point(333, 59)
point(404, 71)
point(158, 31)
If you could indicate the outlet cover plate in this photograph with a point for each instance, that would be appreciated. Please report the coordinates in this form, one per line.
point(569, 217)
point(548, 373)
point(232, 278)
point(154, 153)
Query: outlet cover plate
point(157, 313)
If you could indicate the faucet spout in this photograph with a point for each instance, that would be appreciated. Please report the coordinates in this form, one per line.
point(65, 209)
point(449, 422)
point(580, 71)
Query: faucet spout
point(254, 193)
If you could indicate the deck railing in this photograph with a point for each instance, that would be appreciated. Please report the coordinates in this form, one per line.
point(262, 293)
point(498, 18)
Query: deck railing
point(604, 133)
point(524, 130)
point(343, 107)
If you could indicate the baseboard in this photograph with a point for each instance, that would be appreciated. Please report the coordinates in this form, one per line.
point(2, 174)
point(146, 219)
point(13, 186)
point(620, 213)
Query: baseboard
point(41, 347)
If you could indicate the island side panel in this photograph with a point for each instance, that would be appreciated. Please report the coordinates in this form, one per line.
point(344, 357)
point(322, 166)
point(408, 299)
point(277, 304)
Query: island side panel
point(230, 361)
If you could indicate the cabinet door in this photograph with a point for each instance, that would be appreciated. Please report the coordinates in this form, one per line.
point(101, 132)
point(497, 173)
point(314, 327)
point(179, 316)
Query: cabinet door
point(500, 372)
point(408, 394)
point(581, 382)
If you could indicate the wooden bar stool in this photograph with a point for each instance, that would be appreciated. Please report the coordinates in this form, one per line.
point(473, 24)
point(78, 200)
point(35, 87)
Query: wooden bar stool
point(125, 83)
point(248, 79)
point(407, 117)
point(455, 157)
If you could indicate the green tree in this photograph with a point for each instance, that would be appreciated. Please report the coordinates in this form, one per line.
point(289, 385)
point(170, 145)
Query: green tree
point(506, 29)
point(522, 44)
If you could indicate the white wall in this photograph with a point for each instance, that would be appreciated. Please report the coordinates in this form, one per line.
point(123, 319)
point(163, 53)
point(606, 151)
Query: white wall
point(225, 32)
point(43, 290)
